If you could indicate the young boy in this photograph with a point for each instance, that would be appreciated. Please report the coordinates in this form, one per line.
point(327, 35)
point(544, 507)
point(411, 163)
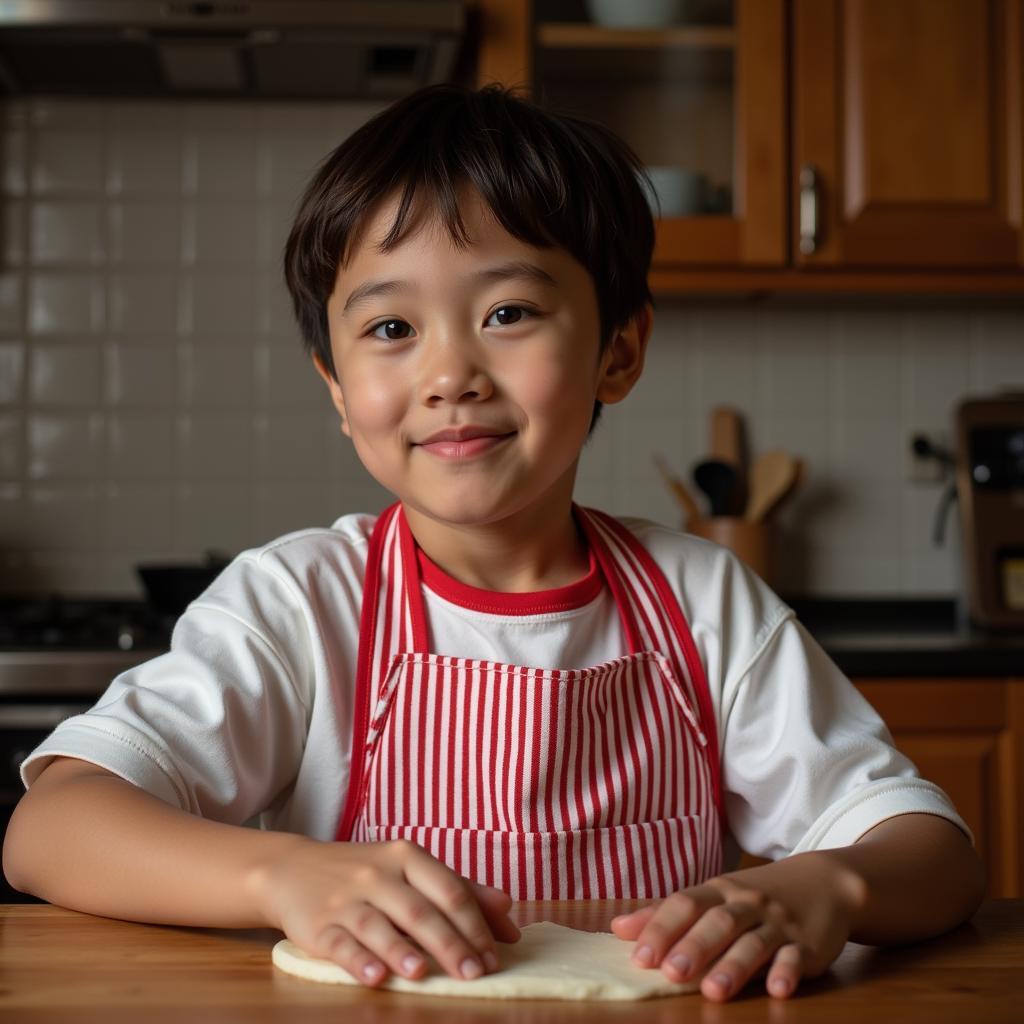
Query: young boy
point(488, 691)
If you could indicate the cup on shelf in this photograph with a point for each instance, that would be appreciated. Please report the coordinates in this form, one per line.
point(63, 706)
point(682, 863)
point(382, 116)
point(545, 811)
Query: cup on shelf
point(752, 543)
point(638, 13)
point(681, 192)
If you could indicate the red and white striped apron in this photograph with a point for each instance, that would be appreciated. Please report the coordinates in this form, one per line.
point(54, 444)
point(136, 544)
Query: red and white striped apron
point(548, 783)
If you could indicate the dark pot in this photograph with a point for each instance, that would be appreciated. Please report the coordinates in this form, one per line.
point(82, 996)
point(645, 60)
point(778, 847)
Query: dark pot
point(170, 588)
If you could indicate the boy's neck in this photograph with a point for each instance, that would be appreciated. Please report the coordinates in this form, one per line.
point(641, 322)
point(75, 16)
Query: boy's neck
point(520, 555)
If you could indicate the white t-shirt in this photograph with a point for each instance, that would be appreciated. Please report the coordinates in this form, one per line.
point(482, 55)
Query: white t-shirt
point(250, 712)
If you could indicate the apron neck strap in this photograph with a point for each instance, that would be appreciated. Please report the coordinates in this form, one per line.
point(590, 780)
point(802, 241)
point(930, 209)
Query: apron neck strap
point(413, 591)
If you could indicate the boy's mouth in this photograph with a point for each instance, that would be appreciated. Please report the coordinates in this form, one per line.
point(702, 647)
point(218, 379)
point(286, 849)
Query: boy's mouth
point(463, 442)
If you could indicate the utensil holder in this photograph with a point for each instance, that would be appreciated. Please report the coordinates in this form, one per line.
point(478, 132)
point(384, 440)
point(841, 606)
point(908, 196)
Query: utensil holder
point(752, 543)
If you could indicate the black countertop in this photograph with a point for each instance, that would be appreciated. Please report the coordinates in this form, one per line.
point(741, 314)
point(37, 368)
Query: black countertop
point(908, 637)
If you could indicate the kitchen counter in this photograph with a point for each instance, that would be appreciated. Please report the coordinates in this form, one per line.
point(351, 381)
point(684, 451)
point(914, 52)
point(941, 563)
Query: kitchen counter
point(898, 637)
point(59, 965)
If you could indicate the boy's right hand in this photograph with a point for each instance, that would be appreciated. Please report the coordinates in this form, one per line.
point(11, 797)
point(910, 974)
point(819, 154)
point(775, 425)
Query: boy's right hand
point(352, 902)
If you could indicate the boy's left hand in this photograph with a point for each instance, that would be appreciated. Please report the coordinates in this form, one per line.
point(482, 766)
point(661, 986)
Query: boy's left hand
point(793, 917)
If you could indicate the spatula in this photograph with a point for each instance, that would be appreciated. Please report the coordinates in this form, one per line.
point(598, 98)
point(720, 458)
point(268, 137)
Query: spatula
point(771, 478)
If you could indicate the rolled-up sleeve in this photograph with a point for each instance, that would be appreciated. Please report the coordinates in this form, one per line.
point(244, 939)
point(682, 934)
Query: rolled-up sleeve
point(217, 725)
point(807, 763)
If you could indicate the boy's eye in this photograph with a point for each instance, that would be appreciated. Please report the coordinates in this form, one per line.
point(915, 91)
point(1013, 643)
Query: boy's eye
point(505, 309)
point(388, 325)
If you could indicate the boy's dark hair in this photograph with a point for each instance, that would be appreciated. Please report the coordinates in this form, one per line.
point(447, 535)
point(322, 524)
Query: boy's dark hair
point(549, 178)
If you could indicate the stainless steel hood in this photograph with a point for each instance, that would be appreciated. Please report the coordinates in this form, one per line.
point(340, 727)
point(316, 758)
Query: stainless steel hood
point(322, 49)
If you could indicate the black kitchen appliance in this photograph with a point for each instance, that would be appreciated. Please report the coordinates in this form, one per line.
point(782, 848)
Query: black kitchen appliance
point(990, 490)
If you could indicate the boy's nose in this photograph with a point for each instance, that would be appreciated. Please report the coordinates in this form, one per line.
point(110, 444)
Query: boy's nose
point(452, 375)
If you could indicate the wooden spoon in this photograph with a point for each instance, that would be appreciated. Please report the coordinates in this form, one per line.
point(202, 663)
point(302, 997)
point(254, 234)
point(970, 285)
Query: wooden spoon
point(772, 477)
point(678, 488)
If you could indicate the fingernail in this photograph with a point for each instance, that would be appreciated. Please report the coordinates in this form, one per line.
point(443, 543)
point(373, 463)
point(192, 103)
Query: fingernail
point(644, 956)
point(371, 972)
point(681, 964)
point(411, 963)
point(469, 968)
point(723, 981)
point(780, 986)
point(491, 961)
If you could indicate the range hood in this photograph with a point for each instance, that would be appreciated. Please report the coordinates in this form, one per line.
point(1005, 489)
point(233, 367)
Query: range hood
point(286, 49)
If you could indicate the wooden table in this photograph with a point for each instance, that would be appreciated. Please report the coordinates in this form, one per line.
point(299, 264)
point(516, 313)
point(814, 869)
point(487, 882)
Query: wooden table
point(58, 965)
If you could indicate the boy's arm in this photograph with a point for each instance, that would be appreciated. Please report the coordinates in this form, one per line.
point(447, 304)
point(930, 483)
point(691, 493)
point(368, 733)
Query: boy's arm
point(84, 838)
point(908, 878)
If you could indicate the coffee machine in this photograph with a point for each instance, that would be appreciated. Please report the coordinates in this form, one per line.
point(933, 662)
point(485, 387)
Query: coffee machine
point(989, 469)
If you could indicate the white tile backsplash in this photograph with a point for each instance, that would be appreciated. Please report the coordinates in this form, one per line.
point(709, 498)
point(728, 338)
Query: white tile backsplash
point(155, 401)
point(65, 374)
point(68, 161)
point(12, 370)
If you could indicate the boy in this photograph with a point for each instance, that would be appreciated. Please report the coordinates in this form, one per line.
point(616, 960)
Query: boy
point(488, 690)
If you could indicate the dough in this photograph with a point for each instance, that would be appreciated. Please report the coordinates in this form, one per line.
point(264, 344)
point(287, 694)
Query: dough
point(548, 962)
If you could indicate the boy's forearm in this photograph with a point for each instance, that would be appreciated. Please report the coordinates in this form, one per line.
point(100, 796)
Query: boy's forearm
point(96, 843)
point(916, 875)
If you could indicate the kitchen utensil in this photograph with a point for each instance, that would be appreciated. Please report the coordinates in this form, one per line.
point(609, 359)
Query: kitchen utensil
point(718, 481)
point(728, 445)
point(678, 488)
point(727, 435)
point(771, 478)
point(170, 587)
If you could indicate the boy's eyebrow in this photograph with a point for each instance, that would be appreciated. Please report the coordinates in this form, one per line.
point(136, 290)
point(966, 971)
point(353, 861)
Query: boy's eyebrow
point(500, 272)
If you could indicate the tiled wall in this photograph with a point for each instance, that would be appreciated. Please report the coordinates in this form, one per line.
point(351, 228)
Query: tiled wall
point(155, 403)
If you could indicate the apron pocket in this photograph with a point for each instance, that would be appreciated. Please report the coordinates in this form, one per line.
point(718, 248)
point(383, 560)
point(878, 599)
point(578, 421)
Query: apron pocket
point(646, 860)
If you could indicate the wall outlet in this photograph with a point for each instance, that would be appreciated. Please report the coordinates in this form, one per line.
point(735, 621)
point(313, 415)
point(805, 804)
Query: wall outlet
point(924, 468)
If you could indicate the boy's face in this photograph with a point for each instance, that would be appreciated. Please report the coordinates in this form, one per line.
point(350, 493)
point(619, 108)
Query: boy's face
point(457, 347)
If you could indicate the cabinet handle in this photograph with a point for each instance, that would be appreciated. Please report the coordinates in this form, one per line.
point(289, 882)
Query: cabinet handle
point(808, 209)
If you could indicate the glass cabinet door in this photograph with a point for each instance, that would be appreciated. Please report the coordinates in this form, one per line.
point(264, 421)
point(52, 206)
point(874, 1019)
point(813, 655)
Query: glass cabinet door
point(678, 80)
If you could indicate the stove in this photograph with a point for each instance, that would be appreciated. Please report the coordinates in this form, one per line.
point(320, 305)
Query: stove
point(56, 623)
point(57, 656)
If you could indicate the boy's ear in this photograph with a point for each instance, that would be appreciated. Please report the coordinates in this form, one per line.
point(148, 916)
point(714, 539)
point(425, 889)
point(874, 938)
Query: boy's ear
point(623, 360)
point(335, 389)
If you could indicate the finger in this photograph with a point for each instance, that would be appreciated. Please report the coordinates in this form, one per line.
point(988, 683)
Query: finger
point(629, 926)
point(337, 944)
point(786, 970)
point(495, 905)
point(439, 911)
point(714, 931)
point(742, 960)
point(454, 896)
point(371, 928)
point(673, 917)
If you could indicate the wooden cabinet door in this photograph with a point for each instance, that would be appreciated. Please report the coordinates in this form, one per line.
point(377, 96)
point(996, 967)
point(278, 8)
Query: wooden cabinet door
point(966, 736)
point(612, 74)
point(910, 114)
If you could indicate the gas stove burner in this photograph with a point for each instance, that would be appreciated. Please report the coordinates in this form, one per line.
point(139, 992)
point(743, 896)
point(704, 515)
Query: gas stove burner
point(92, 624)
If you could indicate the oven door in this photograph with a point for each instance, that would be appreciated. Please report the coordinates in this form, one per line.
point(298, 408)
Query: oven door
point(23, 726)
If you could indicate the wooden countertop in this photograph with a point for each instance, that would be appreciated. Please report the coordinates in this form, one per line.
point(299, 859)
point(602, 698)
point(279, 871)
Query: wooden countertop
point(59, 965)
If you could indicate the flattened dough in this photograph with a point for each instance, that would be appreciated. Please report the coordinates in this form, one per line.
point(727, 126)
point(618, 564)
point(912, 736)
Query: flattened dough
point(548, 962)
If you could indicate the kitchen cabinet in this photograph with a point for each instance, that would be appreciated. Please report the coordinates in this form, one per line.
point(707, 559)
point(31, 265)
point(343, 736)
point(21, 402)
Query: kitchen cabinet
point(851, 145)
point(706, 99)
point(909, 116)
point(967, 736)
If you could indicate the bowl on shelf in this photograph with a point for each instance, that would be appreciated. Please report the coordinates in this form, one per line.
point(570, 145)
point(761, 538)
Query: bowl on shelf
point(681, 192)
point(638, 13)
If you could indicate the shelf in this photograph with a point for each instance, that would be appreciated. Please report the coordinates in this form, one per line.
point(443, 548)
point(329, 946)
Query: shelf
point(696, 283)
point(580, 35)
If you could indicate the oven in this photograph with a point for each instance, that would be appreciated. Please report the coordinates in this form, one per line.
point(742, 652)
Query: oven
point(57, 656)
